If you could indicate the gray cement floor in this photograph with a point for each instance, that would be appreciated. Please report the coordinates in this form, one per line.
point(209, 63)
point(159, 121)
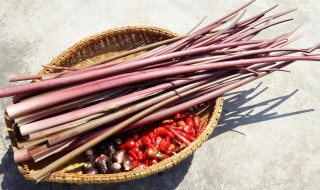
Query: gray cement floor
point(269, 134)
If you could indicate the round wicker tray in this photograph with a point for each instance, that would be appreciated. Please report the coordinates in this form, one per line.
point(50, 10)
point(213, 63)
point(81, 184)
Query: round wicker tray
point(91, 49)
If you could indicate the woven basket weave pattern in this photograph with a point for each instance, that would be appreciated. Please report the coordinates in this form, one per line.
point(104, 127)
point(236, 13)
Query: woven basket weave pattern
point(92, 49)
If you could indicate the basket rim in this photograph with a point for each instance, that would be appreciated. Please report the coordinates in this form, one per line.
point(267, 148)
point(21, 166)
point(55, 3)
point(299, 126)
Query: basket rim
point(124, 176)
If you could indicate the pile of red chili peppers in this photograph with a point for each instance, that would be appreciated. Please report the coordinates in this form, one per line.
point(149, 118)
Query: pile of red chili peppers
point(151, 145)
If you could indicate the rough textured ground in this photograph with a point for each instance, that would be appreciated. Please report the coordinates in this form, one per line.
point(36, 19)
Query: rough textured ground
point(268, 136)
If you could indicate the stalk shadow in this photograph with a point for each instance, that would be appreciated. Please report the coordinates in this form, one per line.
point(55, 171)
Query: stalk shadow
point(235, 113)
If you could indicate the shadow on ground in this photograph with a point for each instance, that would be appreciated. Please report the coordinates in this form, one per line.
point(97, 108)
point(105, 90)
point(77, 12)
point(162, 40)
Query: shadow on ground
point(235, 113)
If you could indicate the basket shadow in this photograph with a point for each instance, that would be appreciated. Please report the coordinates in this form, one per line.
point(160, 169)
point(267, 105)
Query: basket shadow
point(168, 179)
point(235, 113)
point(12, 178)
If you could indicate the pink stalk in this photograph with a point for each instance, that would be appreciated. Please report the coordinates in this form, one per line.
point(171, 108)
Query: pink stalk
point(209, 27)
point(49, 99)
point(34, 77)
point(90, 75)
point(25, 154)
point(21, 156)
point(35, 142)
point(158, 115)
point(30, 117)
point(196, 26)
point(217, 39)
point(245, 34)
point(256, 17)
point(291, 40)
point(106, 62)
point(272, 17)
point(53, 130)
point(20, 144)
point(220, 84)
point(257, 23)
point(82, 70)
point(101, 107)
point(176, 45)
point(282, 39)
point(206, 42)
point(57, 138)
point(47, 132)
point(95, 134)
point(237, 55)
point(45, 151)
point(102, 84)
point(21, 78)
point(18, 98)
point(197, 101)
point(202, 31)
point(61, 68)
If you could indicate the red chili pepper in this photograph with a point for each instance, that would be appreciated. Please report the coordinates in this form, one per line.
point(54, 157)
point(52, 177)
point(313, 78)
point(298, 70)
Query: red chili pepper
point(167, 121)
point(129, 144)
point(138, 143)
point(140, 155)
point(133, 155)
point(204, 124)
point(170, 149)
point(164, 144)
point(197, 122)
point(163, 132)
point(179, 116)
point(159, 129)
point(199, 133)
point(179, 148)
point(176, 142)
point(172, 146)
point(181, 123)
point(146, 163)
point(145, 154)
point(146, 141)
point(152, 153)
point(135, 163)
point(140, 166)
point(187, 136)
point(138, 152)
point(152, 162)
point(177, 128)
point(157, 142)
point(186, 128)
point(202, 128)
point(136, 137)
point(189, 121)
point(151, 134)
point(192, 132)
point(179, 137)
point(168, 152)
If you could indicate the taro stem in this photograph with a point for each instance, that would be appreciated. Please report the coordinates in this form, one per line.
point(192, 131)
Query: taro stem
point(104, 84)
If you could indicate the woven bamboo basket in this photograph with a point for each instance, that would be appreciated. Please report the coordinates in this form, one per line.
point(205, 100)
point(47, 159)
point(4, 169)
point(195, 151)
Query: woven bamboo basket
point(92, 49)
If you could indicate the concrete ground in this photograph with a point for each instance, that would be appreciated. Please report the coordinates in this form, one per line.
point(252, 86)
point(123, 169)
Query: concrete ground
point(269, 133)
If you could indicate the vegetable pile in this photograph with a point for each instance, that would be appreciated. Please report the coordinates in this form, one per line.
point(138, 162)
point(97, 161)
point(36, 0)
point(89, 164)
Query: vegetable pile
point(79, 108)
point(145, 146)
